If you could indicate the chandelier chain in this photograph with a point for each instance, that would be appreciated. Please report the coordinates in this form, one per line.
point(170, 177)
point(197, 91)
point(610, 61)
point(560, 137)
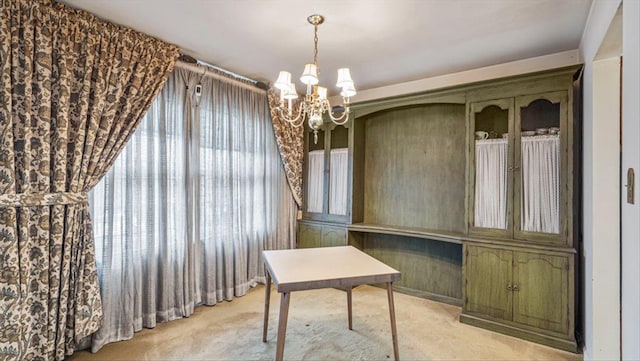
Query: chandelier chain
point(315, 44)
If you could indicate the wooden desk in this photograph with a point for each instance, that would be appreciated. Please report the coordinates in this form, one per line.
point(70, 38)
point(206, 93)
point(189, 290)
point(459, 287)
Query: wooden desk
point(328, 267)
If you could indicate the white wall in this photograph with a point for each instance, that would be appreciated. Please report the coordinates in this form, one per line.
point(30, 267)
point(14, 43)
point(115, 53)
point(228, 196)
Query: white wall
point(604, 329)
point(631, 159)
point(601, 221)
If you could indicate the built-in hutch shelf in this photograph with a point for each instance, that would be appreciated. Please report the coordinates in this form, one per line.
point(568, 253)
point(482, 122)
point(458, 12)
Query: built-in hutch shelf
point(450, 237)
point(470, 191)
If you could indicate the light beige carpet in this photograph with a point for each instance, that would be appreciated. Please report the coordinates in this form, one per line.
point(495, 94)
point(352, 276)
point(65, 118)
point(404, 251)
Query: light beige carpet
point(318, 330)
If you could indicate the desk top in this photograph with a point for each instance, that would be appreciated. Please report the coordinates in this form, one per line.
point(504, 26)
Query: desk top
point(326, 267)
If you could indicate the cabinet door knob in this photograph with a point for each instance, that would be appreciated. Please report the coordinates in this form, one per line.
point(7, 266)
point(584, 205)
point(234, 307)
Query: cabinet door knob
point(515, 288)
point(509, 287)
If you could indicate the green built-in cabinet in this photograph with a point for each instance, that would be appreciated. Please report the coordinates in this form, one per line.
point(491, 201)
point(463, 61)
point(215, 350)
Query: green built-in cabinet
point(472, 192)
point(522, 209)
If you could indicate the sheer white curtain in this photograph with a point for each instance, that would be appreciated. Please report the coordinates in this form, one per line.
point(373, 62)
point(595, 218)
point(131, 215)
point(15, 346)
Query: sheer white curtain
point(245, 202)
point(339, 163)
point(541, 184)
point(182, 216)
point(490, 206)
point(315, 181)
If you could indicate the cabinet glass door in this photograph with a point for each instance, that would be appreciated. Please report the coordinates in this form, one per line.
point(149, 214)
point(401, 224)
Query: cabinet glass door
point(338, 170)
point(541, 126)
point(491, 189)
point(315, 174)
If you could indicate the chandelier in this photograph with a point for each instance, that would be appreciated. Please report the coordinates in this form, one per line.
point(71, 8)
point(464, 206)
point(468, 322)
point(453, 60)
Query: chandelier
point(315, 102)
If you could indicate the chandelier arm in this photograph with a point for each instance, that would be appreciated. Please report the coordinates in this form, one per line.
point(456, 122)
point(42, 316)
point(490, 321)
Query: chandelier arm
point(293, 121)
point(341, 119)
point(325, 106)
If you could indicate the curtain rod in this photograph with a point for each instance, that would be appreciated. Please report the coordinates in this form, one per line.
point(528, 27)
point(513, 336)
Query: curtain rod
point(216, 74)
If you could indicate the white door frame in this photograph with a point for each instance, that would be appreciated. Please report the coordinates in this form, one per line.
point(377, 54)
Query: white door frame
point(630, 213)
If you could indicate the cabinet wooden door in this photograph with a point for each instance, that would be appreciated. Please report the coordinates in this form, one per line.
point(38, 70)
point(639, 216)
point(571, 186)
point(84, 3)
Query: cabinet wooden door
point(488, 274)
point(332, 237)
point(309, 235)
point(541, 291)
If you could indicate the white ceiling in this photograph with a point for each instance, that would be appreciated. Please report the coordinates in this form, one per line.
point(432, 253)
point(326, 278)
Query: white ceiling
point(382, 41)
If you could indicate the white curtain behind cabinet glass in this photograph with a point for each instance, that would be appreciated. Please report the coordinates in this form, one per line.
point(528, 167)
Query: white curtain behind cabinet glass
point(184, 213)
point(338, 181)
point(490, 206)
point(315, 181)
point(541, 184)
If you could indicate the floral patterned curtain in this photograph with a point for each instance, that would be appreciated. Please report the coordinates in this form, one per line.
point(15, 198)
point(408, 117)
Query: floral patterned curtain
point(290, 141)
point(72, 90)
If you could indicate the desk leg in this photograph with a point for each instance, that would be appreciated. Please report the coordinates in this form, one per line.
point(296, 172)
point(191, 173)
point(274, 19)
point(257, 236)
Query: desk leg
point(267, 297)
point(349, 307)
point(392, 314)
point(282, 324)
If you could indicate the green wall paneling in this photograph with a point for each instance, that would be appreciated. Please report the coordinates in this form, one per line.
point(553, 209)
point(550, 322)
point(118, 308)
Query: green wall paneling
point(430, 269)
point(414, 172)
